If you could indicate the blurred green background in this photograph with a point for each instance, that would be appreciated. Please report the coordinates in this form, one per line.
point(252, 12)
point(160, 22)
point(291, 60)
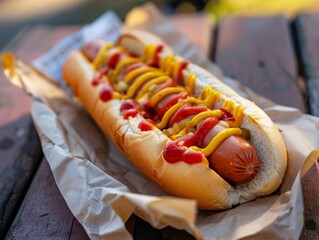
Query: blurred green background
point(16, 15)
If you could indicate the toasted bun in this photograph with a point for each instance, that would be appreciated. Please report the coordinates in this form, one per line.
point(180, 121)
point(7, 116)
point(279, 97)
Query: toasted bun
point(194, 181)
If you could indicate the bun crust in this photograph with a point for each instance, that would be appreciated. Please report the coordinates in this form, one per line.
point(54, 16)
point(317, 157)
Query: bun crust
point(194, 181)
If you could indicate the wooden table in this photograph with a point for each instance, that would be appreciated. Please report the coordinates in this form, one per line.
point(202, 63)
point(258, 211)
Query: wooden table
point(276, 57)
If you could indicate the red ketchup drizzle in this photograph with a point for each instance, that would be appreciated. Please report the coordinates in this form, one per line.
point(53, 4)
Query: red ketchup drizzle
point(185, 111)
point(132, 55)
point(145, 125)
point(182, 66)
point(98, 76)
point(174, 153)
point(127, 104)
point(106, 92)
point(129, 108)
point(167, 84)
point(173, 100)
point(158, 50)
point(130, 113)
point(227, 116)
point(114, 59)
point(178, 150)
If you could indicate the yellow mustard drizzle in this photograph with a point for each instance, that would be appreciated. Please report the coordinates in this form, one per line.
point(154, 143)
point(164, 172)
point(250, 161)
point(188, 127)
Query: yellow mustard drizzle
point(199, 117)
point(179, 134)
point(139, 82)
point(190, 83)
point(145, 89)
point(176, 66)
point(195, 100)
point(167, 115)
point(138, 71)
point(218, 139)
point(167, 64)
point(209, 96)
point(163, 93)
point(238, 114)
point(196, 119)
point(124, 62)
point(148, 54)
point(116, 95)
point(228, 105)
point(100, 56)
point(236, 110)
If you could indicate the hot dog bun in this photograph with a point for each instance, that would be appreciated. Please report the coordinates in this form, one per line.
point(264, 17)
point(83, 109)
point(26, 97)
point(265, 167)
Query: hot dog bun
point(145, 148)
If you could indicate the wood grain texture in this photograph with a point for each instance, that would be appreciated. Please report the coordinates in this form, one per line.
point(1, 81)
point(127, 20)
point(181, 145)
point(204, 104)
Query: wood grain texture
point(21, 153)
point(258, 52)
point(44, 213)
point(307, 33)
point(311, 201)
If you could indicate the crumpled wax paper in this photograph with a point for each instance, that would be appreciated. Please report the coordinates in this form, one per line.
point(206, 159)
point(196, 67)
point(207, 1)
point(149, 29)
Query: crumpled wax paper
point(102, 188)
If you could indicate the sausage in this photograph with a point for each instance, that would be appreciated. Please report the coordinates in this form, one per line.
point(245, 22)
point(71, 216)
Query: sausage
point(235, 159)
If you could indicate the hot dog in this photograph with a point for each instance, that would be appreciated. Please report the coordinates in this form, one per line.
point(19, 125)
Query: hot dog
point(180, 125)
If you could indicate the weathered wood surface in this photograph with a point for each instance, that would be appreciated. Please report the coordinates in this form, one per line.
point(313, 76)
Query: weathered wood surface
point(307, 33)
point(20, 152)
point(311, 200)
point(44, 213)
point(258, 52)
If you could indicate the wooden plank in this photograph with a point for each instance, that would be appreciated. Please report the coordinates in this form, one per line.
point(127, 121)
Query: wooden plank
point(44, 213)
point(311, 201)
point(307, 33)
point(258, 52)
point(20, 152)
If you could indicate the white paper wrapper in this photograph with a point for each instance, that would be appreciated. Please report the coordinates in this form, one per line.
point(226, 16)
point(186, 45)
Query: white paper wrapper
point(102, 188)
